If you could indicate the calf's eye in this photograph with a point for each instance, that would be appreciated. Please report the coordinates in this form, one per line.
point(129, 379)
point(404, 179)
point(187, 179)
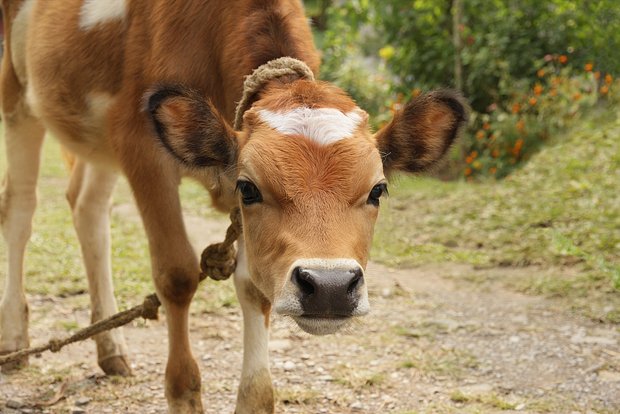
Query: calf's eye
point(376, 193)
point(249, 192)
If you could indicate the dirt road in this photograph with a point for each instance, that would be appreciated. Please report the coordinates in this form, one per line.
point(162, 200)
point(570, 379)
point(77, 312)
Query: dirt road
point(434, 343)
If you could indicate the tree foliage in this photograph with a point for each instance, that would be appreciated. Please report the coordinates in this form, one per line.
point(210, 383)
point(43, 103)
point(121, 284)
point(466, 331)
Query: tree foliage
point(503, 40)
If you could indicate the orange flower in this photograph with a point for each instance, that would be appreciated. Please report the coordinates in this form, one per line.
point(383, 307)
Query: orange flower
point(486, 126)
point(588, 67)
point(553, 92)
point(533, 101)
point(597, 75)
point(474, 154)
point(468, 172)
point(492, 170)
point(469, 160)
point(480, 134)
point(540, 73)
point(520, 125)
point(563, 59)
point(608, 79)
point(538, 89)
point(604, 89)
point(516, 108)
point(519, 144)
point(517, 148)
point(495, 153)
point(576, 96)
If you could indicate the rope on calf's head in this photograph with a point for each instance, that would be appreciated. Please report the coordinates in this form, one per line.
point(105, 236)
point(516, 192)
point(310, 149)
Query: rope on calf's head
point(262, 75)
point(218, 261)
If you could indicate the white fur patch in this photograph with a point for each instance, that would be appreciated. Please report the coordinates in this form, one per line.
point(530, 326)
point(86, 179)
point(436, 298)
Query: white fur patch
point(323, 125)
point(94, 12)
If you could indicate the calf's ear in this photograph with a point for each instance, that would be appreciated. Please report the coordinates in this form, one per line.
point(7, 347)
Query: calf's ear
point(190, 128)
point(422, 132)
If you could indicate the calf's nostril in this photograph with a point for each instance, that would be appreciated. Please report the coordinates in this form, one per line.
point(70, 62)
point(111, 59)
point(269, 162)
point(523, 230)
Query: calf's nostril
point(355, 281)
point(304, 281)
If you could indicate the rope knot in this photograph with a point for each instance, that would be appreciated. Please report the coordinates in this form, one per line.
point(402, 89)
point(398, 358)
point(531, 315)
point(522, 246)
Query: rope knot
point(218, 261)
point(150, 306)
point(55, 345)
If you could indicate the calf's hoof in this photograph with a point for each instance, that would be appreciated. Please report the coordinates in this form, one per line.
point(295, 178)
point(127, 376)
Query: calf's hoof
point(192, 405)
point(116, 365)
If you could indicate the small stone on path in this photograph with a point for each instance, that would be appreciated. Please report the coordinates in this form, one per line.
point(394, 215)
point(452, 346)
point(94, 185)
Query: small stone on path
point(14, 404)
point(82, 401)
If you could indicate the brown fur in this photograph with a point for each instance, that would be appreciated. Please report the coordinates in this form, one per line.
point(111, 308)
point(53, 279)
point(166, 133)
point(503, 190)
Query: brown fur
point(89, 87)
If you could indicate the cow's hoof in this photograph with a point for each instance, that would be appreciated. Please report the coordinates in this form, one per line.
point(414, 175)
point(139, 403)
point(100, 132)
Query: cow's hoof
point(116, 365)
point(192, 406)
point(14, 365)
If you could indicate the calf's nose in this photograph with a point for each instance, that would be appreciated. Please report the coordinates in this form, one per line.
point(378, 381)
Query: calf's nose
point(328, 292)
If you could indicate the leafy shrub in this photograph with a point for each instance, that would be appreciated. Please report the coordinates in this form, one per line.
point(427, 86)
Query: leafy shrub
point(385, 52)
point(502, 41)
point(512, 130)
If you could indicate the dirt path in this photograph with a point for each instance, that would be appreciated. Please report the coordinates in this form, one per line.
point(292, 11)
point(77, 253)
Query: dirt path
point(434, 343)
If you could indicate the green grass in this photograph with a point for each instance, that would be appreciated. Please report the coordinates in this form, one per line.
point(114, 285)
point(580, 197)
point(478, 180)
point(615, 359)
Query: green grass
point(561, 210)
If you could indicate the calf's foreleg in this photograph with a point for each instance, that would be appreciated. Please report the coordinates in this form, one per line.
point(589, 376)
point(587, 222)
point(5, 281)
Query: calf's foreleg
point(255, 395)
point(154, 180)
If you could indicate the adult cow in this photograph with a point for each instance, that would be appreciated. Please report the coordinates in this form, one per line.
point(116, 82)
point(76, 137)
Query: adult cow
point(309, 173)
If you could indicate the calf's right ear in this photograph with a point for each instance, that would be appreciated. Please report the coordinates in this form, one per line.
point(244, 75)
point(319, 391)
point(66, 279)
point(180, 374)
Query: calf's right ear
point(190, 128)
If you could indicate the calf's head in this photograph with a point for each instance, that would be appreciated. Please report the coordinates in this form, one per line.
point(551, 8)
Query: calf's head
point(309, 176)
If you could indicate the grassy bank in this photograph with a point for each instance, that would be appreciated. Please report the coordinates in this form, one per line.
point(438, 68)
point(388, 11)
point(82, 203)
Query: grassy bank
point(561, 211)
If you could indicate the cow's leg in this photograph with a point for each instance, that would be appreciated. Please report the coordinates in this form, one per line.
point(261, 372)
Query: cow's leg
point(89, 195)
point(18, 199)
point(154, 180)
point(255, 395)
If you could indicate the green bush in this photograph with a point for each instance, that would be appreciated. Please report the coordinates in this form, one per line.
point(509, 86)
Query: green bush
point(503, 41)
point(385, 52)
point(512, 130)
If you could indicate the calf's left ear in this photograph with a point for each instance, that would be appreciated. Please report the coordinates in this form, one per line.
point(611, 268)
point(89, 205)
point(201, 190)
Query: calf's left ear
point(190, 128)
point(422, 132)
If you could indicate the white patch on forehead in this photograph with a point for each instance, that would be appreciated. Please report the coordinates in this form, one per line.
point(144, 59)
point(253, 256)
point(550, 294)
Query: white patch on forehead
point(323, 125)
point(94, 12)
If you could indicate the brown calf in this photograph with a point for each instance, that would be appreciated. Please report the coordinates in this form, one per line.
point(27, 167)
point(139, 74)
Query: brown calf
point(307, 171)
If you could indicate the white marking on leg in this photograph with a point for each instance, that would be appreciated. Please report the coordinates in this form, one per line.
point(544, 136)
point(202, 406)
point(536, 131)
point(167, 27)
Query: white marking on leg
point(255, 377)
point(323, 125)
point(96, 12)
point(17, 204)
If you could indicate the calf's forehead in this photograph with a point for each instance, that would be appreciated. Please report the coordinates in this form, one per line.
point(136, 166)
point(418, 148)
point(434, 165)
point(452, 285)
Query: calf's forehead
point(295, 167)
point(309, 140)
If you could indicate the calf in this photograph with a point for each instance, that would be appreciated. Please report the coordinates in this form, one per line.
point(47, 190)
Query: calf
point(147, 88)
